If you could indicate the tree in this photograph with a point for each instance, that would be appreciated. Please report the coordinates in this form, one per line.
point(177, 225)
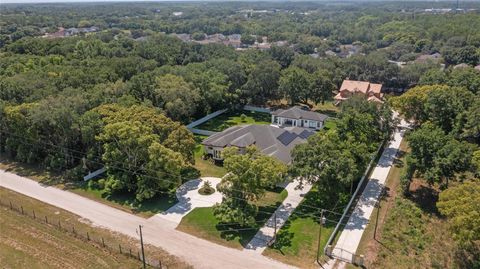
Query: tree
point(262, 83)
point(176, 97)
point(136, 162)
point(295, 85)
point(322, 87)
point(248, 176)
point(439, 157)
point(198, 36)
point(332, 163)
point(283, 55)
point(461, 205)
point(444, 106)
point(247, 39)
point(412, 103)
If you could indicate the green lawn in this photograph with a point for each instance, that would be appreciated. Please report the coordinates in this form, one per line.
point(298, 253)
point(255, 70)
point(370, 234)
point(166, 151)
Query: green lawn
point(124, 201)
point(232, 118)
point(202, 223)
point(298, 239)
point(206, 167)
point(328, 108)
point(330, 124)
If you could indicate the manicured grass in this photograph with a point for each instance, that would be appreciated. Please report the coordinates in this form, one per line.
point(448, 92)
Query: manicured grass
point(202, 223)
point(330, 124)
point(125, 201)
point(31, 243)
point(232, 118)
point(207, 168)
point(328, 108)
point(297, 240)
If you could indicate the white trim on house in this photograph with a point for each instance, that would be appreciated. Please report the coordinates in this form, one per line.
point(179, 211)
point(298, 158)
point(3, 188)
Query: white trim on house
point(287, 122)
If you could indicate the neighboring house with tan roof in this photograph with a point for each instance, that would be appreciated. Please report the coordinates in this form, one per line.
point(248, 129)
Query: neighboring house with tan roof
point(270, 140)
point(298, 117)
point(462, 65)
point(435, 58)
point(372, 91)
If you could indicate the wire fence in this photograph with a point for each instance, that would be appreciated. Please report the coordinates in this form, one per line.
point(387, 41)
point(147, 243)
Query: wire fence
point(72, 230)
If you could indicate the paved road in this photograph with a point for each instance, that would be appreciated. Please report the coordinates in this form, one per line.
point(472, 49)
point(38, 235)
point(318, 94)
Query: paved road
point(295, 196)
point(159, 232)
point(352, 233)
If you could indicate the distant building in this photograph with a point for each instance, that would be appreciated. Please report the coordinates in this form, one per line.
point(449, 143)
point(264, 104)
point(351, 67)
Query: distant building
point(298, 117)
point(349, 50)
point(434, 58)
point(462, 65)
point(373, 92)
point(183, 37)
point(477, 67)
point(270, 140)
point(177, 13)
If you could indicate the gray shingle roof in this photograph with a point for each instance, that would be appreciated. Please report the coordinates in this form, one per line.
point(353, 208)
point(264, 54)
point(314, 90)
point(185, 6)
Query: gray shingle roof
point(270, 140)
point(300, 114)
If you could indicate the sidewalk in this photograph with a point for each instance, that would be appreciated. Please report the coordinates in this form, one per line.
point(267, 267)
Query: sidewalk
point(295, 196)
point(352, 233)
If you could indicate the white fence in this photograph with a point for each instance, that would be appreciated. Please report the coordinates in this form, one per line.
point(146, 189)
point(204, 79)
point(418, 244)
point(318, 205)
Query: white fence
point(257, 109)
point(206, 118)
point(201, 132)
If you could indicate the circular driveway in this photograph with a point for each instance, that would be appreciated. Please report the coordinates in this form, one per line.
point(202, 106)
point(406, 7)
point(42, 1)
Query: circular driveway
point(189, 198)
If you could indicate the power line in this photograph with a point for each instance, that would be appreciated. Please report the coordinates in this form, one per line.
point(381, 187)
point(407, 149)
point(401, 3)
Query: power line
point(142, 174)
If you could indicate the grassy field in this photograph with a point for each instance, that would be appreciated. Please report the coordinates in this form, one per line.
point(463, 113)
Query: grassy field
point(202, 223)
point(297, 240)
point(31, 243)
point(410, 232)
point(232, 118)
point(206, 167)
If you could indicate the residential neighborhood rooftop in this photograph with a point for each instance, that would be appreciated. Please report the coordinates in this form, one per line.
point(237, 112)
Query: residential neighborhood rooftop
point(273, 141)
point(297, 112)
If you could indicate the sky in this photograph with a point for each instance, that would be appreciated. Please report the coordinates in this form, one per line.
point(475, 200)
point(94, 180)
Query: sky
point(76, 1)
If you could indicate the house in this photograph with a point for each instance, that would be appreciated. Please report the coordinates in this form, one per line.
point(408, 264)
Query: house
point(435, 58)
point(462, 65)
point(270, 140)
point(373, 92)
point(477, 67)
point(298, 117)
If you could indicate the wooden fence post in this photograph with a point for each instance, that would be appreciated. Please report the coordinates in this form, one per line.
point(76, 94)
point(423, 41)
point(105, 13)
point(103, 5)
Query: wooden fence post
point(103, 242)
point(120, 248)
point(88, 237)
point(21, 207)
point(46, 219)
point(59, 225)
point(34, 217)
point(11, 207)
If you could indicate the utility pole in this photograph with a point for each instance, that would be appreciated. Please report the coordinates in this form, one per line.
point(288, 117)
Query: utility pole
point(377, 205)
point(141, 243)
point(275, 227)
point(376, 221)
point(322, 222)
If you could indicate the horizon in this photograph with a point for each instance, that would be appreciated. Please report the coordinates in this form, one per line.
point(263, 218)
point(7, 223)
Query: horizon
point(166, 1)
